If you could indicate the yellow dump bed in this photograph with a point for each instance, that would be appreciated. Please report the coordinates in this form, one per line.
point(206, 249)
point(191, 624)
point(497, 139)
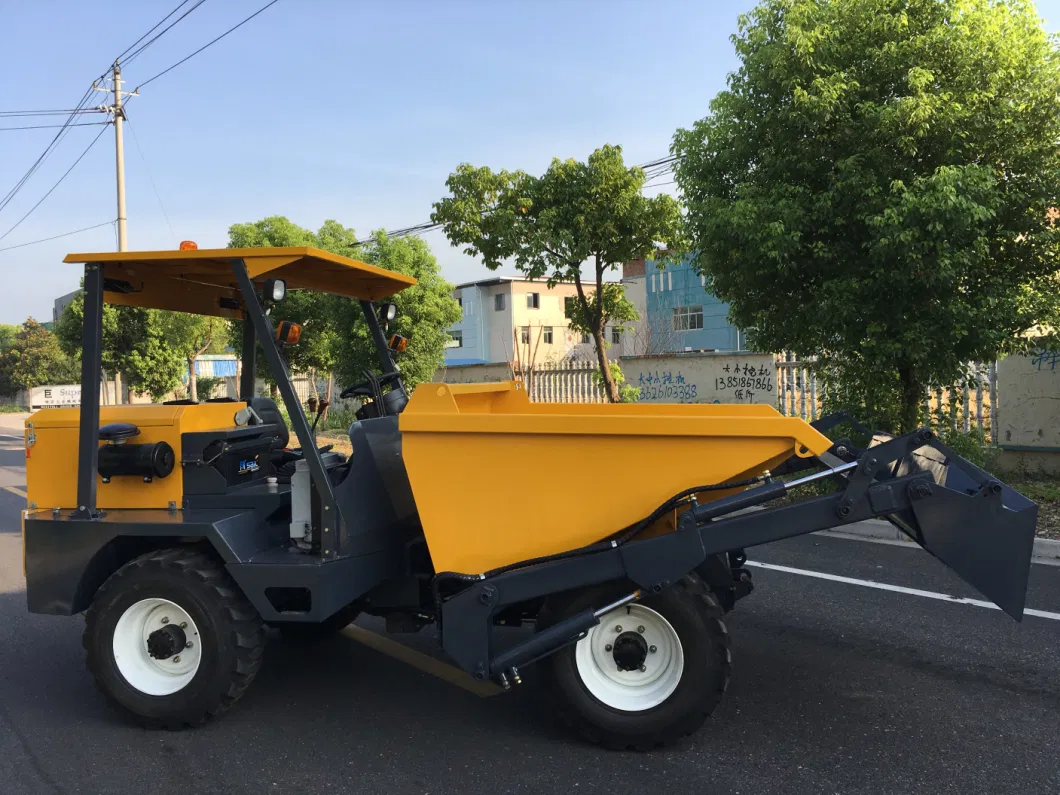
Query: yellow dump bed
point(498, 479)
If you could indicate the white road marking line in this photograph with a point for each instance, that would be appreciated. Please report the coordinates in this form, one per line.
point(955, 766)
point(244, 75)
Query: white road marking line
point(15, 490)
point(424, 662)
point(882, 586)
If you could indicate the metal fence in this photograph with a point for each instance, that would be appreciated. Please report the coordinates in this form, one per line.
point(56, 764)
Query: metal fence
point(962, 407)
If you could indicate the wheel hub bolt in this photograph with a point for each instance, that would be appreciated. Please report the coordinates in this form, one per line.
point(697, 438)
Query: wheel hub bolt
point(652, 649)
point(640, 629)
point(189, 644)
point(183, 624)
point(643, 668)
point(165, 620)
point(177, 659)
point(607, 647)
point(618, 627)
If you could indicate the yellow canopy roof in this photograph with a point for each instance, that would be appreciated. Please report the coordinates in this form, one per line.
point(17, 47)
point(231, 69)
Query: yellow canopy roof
point(201, 281)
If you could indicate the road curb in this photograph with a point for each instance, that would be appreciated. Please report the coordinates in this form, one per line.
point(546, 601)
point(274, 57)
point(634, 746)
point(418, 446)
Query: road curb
point(1046, 550)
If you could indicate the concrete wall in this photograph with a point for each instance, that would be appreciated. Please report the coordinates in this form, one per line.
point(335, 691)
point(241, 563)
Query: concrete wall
point(1028, 389)
point(1028, 413)
point(703, 378)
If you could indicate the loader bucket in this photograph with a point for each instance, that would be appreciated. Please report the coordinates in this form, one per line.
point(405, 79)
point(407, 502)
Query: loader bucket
point(987, 540)
point(498, 479)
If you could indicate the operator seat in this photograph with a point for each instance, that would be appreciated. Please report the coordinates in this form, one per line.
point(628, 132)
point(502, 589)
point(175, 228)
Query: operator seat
point(269, 412)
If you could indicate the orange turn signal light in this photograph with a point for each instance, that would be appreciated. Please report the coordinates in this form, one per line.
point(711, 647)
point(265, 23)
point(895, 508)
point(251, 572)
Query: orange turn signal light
point(189, 245)
point(288, 333)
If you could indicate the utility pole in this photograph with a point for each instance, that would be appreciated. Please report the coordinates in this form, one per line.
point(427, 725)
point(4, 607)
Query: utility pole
point(116, 108)
point(119, 158)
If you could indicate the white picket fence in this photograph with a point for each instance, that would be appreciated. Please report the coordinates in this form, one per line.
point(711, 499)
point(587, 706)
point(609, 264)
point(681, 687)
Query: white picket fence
point(972, 405)
point(564, 381)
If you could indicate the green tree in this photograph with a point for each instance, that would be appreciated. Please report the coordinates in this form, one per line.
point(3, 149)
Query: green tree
point(136, 344)
point(7, 336)
point(873, 186)
point(334, 337)
point(550, 226)
point(191, 336)
point(34, 359)
point(425, 312)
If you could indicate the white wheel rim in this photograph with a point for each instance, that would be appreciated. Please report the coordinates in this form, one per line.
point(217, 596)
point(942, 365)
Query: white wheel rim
point(145, 673)
point(637, 690)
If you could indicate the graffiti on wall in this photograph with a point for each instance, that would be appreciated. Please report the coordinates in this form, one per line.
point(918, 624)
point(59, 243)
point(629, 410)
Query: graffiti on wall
point(1029, 401)
point(715, 378)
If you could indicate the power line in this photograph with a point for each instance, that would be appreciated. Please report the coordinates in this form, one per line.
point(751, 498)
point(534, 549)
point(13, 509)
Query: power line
point(164, 30)
point(152, 30)
point(208, 44)
point(56, 237)
point(13, 113)
point(658, 167)
point(151, 179)
point(53, 187)
point(54, 126)
point(52, 145)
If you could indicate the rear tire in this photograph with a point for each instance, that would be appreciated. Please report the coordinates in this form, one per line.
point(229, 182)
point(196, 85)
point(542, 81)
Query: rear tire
point(171, 641)
point(651, 683)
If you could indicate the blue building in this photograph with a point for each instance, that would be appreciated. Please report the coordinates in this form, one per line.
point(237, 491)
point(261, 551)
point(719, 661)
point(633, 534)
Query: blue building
point(679, 312)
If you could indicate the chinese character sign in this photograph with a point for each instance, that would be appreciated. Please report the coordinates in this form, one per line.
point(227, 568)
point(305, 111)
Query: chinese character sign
point(707, 378)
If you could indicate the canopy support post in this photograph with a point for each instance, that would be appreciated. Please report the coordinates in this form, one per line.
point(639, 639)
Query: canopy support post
point(329, 536)
point(91, 367)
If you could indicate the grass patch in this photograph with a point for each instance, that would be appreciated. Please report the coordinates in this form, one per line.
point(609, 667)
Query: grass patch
point(11, 408)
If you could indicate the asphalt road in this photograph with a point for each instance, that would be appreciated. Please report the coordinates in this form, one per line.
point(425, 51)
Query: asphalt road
point(837, 688)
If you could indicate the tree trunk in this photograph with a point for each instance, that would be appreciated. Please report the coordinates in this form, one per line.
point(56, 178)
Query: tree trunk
point(911, 398)
point(193, 386)
point(610, 387)
point(274, 391)
point(331, 387)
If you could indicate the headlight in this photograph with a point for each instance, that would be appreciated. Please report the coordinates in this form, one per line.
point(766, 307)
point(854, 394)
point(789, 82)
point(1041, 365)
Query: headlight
point(275, 290)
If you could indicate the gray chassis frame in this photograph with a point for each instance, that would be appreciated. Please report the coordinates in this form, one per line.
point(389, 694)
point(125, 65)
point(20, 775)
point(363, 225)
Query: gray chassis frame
point(976, 525)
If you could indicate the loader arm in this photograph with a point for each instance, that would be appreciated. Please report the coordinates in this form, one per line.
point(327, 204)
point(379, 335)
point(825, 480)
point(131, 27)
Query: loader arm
point(980, 528)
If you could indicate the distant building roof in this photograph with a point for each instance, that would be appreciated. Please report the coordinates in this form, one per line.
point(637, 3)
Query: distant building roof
point(507, 279)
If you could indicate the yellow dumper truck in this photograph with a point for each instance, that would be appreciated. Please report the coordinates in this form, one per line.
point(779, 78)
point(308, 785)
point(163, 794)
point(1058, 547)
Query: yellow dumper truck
point(183, 530)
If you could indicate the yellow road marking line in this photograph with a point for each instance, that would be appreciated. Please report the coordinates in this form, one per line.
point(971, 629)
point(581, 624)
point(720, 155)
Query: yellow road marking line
point(15, 490)
point(426, 663)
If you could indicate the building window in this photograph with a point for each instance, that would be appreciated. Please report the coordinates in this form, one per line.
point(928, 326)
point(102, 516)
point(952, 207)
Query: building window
point(460, 302)
point(688, 318)
point(616, 335)
point(547, 334)
point(524, 335)
point(585, 338)
point(568, 306)
point(533, 300)
point(456, 339)
point(498, 302)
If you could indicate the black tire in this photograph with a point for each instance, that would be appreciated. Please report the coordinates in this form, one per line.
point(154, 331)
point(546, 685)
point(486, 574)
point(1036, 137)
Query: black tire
point(696, 618)
point(303, 632)
point(231, 636)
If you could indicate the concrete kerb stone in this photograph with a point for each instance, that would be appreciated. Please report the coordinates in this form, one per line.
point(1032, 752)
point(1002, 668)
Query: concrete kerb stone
point(1046, 550)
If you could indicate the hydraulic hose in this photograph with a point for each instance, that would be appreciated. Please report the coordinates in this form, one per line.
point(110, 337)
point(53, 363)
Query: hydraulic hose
point(627, 535)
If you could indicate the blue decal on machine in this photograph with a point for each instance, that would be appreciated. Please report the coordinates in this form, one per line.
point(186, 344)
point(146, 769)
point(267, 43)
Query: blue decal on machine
point(247, 466)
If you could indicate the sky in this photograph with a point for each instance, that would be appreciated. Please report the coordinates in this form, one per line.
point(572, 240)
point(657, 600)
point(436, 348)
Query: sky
point(355, 110)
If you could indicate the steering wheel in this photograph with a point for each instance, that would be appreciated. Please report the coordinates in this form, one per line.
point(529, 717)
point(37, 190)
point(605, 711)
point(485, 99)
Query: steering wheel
point(364, 388)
